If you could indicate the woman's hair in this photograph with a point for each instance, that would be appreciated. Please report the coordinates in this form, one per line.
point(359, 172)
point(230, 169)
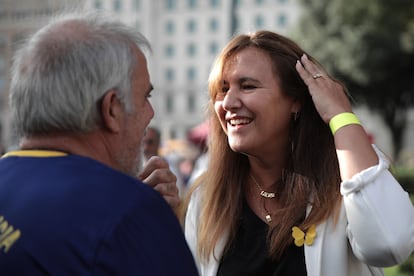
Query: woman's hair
point(312, 173)
point(61, 73)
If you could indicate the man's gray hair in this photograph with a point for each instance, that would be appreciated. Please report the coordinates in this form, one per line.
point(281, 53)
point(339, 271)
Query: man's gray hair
point(61, 73)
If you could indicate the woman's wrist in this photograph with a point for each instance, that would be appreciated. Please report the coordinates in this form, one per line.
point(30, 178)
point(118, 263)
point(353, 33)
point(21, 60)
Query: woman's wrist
point(343, 119)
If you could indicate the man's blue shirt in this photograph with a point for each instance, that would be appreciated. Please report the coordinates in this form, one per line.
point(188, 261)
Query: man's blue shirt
point(72, 215)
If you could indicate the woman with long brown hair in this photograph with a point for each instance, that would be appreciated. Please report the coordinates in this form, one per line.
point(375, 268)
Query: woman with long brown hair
point(293, 185)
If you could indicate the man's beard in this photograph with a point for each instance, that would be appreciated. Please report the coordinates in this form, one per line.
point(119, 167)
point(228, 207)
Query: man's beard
point(133, 169)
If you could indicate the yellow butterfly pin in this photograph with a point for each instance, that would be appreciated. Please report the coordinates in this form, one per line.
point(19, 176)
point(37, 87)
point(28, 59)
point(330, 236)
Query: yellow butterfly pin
point(302, 238)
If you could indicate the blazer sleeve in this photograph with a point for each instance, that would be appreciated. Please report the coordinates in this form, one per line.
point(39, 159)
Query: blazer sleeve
point(191, 223)
point(380, 216)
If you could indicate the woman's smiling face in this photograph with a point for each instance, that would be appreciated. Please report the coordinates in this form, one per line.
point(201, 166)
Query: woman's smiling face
point(253, 111)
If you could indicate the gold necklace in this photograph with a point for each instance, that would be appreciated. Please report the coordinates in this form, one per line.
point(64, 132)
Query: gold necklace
point(263, 193)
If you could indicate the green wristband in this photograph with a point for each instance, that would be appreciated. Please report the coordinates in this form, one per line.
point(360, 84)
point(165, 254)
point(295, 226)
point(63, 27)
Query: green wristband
point(341, 120)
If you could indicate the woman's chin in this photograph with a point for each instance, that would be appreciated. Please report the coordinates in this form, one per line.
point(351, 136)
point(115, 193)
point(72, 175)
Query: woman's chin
point(237, 147)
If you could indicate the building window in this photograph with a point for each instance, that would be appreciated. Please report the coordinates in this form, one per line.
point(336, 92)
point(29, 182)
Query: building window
point(213, 24)
point(213, 48)
point(169, 50)
point(169, 75)
point(3, 42)
point(170, 4)
point(98, 4)
point(173, 133)
point(137, 5)
point(191, 50)
point(138, 26)
point(191, 102)
point(191, 74)
point(2, 71)
point(18, 38)
point(192, 4)
point(282, 20)
point(214, 3)
point(170, 27)
point(3, 68)
point(169, 104)
point(235, 24)
point(117, 4)
point(259, 22)
point(191, 26)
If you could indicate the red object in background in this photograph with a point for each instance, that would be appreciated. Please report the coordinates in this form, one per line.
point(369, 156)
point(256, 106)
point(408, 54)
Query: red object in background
point(198, 134)
point(371, 138)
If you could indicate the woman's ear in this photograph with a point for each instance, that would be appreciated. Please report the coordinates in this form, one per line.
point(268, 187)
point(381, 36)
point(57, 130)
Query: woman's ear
point(111, 111)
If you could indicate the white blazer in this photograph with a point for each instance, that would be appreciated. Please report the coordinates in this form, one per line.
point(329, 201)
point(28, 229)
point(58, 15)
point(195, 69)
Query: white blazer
point(375, 229)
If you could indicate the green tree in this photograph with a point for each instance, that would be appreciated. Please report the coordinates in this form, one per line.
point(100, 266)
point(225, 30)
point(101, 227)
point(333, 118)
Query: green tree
point(369, 45)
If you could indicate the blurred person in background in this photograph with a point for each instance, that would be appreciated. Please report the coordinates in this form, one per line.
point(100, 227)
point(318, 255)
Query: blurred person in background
point(293, 185)
point(151, 142)
point(198, 136)
point(70, 201)
point(151, 145)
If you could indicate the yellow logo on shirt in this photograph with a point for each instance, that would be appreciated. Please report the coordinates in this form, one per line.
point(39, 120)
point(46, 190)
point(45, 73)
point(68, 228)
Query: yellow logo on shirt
point(8, 235)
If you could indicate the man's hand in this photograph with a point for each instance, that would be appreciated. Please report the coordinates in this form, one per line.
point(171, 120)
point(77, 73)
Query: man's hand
point(158, 175)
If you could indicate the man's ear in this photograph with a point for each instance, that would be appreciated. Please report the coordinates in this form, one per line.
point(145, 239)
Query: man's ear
point(111, 111)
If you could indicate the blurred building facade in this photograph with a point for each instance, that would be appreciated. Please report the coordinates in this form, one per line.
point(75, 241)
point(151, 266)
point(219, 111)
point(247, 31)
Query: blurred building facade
point(18, 18)
point(185, 35)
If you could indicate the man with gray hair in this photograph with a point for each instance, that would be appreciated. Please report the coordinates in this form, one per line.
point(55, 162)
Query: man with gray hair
point(70, 199)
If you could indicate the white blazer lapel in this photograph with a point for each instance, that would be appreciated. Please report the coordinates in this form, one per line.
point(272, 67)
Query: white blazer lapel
point(313, 258)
